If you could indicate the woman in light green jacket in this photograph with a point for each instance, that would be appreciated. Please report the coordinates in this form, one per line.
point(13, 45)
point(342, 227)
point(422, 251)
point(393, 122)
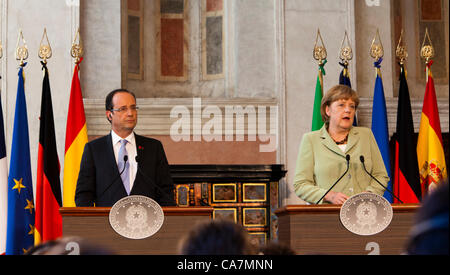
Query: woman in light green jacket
point(322, 154)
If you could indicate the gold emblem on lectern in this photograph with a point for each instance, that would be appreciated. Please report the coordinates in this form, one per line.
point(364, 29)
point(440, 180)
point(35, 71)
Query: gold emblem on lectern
point(136, 217)
point(366, 214)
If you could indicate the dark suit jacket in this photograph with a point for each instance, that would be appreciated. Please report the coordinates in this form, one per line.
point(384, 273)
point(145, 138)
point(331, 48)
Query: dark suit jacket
point(99, 182)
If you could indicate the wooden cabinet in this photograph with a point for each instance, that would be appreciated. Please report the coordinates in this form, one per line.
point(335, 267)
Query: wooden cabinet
point(246, 194)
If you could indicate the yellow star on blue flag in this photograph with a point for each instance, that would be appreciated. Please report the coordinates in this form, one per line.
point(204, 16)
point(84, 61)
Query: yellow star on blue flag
point(18, 185)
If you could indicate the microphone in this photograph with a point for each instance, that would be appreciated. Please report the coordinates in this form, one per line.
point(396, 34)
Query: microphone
point(347, 158)
point(152, 182)
point(361, 158)
point(125, 159)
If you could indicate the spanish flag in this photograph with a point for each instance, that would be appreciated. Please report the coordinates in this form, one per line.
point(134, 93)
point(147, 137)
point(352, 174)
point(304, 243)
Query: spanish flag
point(76, 138)
point(430, 150)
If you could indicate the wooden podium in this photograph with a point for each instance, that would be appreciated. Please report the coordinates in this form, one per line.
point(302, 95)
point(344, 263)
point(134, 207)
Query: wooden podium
point(92, 223)
point(317, 229)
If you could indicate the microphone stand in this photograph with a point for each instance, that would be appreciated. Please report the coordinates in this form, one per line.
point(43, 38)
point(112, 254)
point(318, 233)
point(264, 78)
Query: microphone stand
point(347, 158)
point(361, 158)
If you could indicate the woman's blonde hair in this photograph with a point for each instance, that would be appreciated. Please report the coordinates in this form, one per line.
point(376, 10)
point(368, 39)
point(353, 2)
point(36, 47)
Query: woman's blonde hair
point(334, 94)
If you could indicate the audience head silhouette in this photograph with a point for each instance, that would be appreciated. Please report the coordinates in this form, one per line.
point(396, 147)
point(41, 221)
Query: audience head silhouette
point(217, 237)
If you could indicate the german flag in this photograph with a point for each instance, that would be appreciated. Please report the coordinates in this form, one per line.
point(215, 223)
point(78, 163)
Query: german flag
point(430, 149)
point(48, 223)
point(406, 172)
point(76, 138)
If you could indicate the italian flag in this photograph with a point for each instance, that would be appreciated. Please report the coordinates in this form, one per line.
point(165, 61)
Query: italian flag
point(317, 122)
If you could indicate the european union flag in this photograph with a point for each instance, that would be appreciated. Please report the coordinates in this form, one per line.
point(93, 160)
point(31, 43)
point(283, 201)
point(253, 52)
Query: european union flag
point(344, 76)
point(380, 125)
point(20, 227)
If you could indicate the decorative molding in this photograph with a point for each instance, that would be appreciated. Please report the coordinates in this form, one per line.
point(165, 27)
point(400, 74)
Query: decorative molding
point(154, 113)
point(171, 17)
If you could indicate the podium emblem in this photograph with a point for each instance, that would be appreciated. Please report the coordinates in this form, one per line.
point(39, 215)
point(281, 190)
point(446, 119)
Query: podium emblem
point(136, 217)
point(366, 214)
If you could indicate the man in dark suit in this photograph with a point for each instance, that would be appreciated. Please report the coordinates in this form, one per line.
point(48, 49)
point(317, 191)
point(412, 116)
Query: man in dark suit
point(123, 163)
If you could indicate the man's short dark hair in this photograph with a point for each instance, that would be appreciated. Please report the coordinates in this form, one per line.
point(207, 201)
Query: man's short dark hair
point(108, 102)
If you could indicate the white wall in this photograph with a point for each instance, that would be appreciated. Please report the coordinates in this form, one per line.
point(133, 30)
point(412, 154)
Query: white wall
point(60, 19)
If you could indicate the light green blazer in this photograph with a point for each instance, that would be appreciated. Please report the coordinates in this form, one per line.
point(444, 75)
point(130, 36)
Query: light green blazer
point(321, 162)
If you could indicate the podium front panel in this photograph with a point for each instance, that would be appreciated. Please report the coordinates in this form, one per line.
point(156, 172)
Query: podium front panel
point(93, 225)
point(317, 229)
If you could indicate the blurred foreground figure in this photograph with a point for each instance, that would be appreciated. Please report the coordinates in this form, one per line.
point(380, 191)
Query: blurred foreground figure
point(69, 246)
point(217, 237)
point(429, 235)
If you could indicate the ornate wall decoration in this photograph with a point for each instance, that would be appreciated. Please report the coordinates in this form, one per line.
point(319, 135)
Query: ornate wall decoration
point(213, 49)
point(172, 40)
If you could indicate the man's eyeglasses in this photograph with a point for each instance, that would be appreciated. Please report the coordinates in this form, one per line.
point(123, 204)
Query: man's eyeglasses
point(124, 109)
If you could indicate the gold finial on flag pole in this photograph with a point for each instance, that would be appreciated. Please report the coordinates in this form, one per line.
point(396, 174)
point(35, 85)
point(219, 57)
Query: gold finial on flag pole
point(77, 48)
point(401, 52)
point(346, 52)
point(319, 52)
point(21, 51)
point(427, 50)
point(376, 49)
point(45, 50)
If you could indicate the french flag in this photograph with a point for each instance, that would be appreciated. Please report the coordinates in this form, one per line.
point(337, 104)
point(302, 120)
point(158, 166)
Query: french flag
point(3, 184)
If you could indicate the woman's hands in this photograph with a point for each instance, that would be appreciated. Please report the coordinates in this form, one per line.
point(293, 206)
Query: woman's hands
point(336, 197)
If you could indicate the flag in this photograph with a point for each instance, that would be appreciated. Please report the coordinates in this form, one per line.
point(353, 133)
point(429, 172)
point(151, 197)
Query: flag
point(20, 224)
point(3, 184)
point(344, 79)
point(430, 150)
point(48, 187)
point(76, 138)
point(317, 121)
point(380, 125)
point(406, 172)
